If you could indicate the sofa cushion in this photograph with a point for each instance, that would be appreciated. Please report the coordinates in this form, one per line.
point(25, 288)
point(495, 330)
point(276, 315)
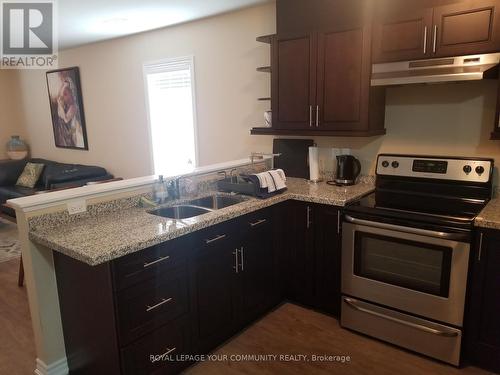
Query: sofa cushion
point(31, 175)
point(59, 173)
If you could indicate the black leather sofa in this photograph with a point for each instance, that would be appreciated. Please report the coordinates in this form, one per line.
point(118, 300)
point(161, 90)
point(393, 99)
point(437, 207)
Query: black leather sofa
point(54, 176)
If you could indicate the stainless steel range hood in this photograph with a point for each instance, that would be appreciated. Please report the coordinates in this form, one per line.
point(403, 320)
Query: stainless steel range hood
point(448, 69)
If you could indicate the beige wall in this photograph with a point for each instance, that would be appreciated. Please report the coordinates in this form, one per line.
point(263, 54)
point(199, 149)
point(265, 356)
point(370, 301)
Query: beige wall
point(449, 119)
point(227, 85)
point(10, 109)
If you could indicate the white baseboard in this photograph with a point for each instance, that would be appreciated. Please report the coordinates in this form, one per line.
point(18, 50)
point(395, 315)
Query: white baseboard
point(59, 367)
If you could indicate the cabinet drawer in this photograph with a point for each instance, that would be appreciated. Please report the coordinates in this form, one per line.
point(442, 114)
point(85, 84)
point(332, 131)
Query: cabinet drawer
point(156, 353)
point(146, 306)
point(255, 221)
point(215, 236)
point(150, 263)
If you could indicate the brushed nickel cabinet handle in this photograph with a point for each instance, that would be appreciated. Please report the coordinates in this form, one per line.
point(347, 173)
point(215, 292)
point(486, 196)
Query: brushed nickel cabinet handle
point(425, 40)
point(242, 259)
point(310, 116)
point(163, 301)
point(308, 217)
point(338, 222)
point(169, 351)
point(220, 237)
point(480, 247)
point(146, 265)
point(352, 303)
point(258, 222)
point(317, 116)
point(435, 39)
point(236, 265)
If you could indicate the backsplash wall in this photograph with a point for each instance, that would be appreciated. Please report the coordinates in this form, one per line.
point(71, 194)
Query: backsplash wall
point(446, 119)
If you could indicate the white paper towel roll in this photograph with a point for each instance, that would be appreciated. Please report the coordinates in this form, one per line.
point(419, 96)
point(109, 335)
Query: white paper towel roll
point(314, 164)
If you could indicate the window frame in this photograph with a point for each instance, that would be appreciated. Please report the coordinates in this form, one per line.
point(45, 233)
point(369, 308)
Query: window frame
point(147, 68)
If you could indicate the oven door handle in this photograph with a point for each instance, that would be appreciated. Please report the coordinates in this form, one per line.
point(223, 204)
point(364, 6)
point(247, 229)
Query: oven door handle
point(352, 304)
point(418, 231)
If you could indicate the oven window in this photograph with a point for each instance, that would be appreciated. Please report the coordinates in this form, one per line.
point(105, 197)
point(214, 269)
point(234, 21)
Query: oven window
point(409, 264)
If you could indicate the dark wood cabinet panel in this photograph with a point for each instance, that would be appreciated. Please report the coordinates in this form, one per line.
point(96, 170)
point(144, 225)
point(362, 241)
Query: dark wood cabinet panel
point(340, 76)
point(212, 295)
point(465, 28)
point(403, 35)
point(483, 323)
point(293, 82)
point(257, 268)
point(302, 256)
point(328, 250)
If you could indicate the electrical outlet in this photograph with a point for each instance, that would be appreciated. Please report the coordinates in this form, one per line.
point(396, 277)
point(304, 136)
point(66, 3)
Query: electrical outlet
point(77, 207)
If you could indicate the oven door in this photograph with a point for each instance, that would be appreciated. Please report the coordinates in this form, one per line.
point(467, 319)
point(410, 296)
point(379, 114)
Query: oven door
point(419, 271)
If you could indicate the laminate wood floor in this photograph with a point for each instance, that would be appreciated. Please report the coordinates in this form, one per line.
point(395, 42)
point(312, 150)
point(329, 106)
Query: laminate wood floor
point(292, 329)
point(17, 345)
point(289, 330)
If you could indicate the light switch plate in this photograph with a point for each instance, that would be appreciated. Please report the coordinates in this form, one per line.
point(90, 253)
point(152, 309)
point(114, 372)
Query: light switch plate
point(76, 207)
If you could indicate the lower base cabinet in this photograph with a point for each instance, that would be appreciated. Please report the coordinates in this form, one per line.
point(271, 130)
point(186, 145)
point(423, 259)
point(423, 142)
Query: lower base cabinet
point(141, 313)
point(482, 329)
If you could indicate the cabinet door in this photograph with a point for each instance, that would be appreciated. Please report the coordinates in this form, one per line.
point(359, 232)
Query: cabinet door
point(293, 82)
point(403, 36)
point(213, 278)
point(483, 329)
point(466, 28)
point(328, 248)
point(341, 90)
point(302, 259)
point(257, 266)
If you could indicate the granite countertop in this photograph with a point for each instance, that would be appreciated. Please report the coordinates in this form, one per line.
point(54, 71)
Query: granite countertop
point(101, 238)
point(489, 217)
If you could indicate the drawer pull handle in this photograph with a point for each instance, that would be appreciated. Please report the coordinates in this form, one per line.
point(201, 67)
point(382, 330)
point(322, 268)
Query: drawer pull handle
point(215, 239)
point(352, 304)
point(258, 222)
point(169, 351)
point(156, 261)
point(163, 301)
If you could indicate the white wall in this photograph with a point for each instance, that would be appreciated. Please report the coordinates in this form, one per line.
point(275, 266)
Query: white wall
point(10, 109)
point(226, 55)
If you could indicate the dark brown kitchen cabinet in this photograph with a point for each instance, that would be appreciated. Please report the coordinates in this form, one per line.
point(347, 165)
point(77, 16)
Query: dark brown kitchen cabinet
point(466, 28)
point(482, 320)
point(321, 66)
point(405, 35)
point(418, 30)
point(314, 266)
point(293, 83)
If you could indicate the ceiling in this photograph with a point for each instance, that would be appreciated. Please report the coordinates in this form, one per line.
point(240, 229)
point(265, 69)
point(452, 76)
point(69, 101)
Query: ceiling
point(81, 22)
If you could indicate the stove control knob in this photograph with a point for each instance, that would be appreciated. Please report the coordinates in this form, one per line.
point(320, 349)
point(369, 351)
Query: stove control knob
point(467, 169)
point(479, 170)
point(395, 164)
point(385, 164)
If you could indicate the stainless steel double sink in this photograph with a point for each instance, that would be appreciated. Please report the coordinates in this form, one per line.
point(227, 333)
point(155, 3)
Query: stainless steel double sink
point(199, 206)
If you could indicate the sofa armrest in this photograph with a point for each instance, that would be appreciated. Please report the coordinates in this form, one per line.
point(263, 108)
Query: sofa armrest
point(10, 171)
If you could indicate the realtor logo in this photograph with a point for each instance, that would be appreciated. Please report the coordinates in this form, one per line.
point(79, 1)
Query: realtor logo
point(28, 35)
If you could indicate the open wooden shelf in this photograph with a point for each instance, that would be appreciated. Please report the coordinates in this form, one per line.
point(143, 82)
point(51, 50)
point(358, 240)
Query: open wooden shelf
point(315, 132)
point(265, 38)
point(264, 69)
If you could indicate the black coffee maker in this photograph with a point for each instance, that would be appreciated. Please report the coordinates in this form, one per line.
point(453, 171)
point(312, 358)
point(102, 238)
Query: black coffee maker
point(348, 169)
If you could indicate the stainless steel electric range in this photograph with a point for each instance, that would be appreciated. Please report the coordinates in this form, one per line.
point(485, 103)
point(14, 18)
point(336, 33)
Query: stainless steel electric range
point(405, 251)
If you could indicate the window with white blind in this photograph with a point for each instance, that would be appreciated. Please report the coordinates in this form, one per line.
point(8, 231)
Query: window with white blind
point(172, 115)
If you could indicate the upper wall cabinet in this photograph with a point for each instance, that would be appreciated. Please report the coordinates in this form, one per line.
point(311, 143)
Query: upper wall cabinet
point(419, 31)
point(321, 64)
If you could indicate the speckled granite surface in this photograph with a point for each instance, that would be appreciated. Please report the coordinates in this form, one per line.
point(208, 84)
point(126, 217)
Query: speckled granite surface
point(102, 237)
point(490, 215)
